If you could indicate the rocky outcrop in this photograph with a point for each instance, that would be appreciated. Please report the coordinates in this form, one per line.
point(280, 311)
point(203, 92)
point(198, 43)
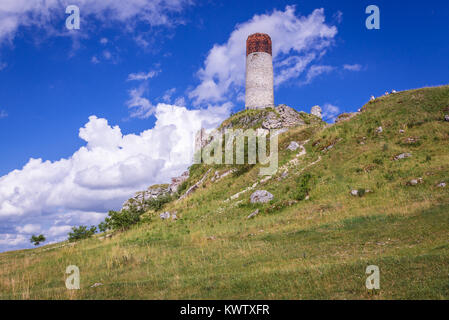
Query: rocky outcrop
point(346, 116)
point(261, 196)
point(316, 111)
point(293, 146)
point(195, 186)
point(177, 181)
point(138, 202)
point(283, 117)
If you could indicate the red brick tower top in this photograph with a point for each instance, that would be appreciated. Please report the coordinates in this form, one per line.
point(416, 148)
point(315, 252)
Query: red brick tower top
point(258, 42)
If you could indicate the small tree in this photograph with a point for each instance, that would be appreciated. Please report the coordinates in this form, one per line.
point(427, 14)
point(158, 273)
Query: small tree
point(81, 232)
point(36, 240)
point(103, 226)
point(122, 220)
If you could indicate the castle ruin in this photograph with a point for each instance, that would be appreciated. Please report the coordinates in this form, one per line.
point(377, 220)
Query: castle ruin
point(259, 72)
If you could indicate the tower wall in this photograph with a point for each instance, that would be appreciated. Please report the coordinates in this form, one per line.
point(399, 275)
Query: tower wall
point(259, 72)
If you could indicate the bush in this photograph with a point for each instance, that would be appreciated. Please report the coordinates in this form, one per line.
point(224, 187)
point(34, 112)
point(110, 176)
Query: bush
point(157, 203)
point(36, 240)
point(303, 188)
point(121, 220)
point(81, 232)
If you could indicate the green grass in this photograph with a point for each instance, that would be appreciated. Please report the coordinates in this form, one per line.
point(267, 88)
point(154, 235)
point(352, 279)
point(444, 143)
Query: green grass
point(308, 249)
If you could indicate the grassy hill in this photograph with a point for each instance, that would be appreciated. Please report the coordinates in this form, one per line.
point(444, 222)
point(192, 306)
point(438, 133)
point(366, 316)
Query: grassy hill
point(294, 248)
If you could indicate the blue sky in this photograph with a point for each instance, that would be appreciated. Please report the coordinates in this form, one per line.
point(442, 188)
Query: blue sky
point(154, 72)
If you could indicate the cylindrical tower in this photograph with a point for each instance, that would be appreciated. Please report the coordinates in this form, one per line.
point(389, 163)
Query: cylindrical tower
point(259, 72)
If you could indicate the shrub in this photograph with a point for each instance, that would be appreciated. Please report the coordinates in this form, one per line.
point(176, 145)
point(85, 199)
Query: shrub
point(36, 240)
point(157, 203)
point(302, 188)
point(361, 192)
point(122, 220)
point(103, 226)
point(81, 232)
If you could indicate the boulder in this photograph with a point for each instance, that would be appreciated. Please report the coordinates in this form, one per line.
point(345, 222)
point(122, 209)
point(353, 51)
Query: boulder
point(165, 215)
point(415, 182)
point(446, 117)
point(252, 215)
point(441, 185)
point(316, 111)
point(379, 130)
point(402, 156)
point(261, 196)
point(177, 181)
point(293, 146)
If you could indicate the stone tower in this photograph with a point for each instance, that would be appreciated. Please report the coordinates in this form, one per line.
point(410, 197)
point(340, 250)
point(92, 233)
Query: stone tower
point(259, 72)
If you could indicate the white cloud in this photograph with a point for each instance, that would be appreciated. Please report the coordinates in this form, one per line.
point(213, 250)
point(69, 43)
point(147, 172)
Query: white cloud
point(15, 14)
point(3, 65)
point(12, 240)
point(330, 112)
point(58, 231)
point(316, 71)
point(3, 114)
point(104, 40)
point(94, 60)
point(352, 67)
point(29, 228)
point(140, 106)
point(297, 42)
point(102, 174)
point(142, 75)
point(107, 54)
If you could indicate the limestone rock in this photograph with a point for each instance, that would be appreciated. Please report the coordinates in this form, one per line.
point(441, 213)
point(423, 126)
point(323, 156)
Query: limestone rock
point(379, 130)
point(293, 146)
point(165, 215)
point(316, 111)
point(415, 182)
point(96, 285)
point(346, 116)
point(441, 185)
point(284, 117)
point(261, 196)
point(177, 181)
point(252, 215)
point(402, 156)
point(446, 117)
point(196, 185)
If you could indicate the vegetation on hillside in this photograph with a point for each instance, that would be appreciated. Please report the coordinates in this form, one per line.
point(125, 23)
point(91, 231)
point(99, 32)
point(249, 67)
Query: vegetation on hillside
point(314, 240)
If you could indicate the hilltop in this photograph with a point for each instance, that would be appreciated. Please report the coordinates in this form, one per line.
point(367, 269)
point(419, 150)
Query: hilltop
point(368, 190)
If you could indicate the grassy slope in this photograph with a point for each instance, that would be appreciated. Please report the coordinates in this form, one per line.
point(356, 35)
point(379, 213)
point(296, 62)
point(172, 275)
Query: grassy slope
point(316, 249)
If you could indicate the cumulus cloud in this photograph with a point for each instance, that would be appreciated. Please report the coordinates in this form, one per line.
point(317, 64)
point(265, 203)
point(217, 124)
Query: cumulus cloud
point(330, 112)
point(108, 169)
point(29, 228)
point(297, 42)
point(16, 14)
